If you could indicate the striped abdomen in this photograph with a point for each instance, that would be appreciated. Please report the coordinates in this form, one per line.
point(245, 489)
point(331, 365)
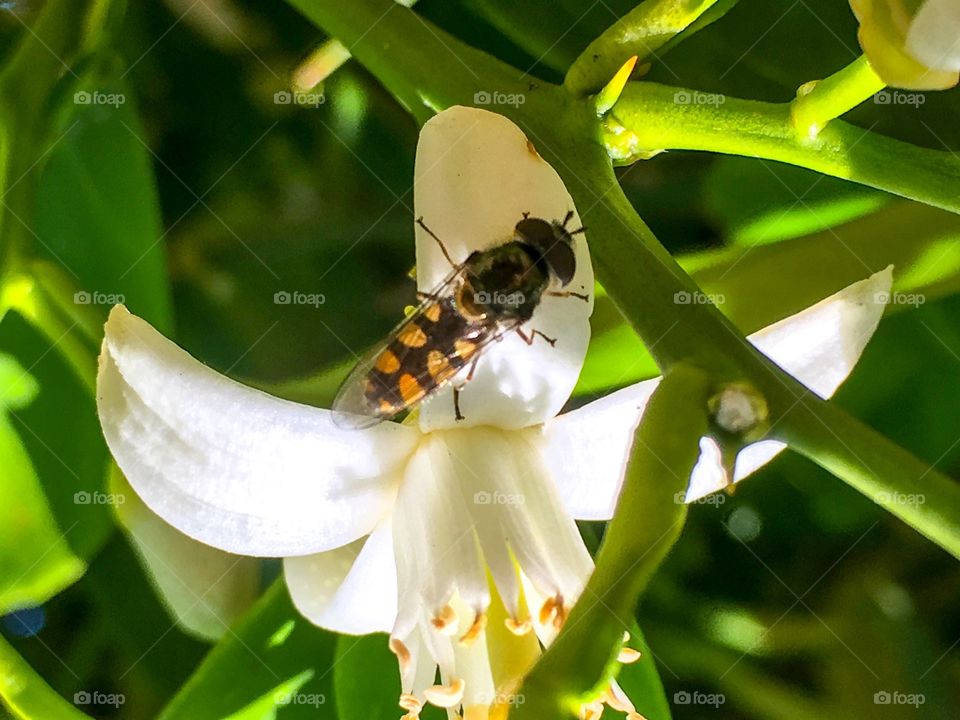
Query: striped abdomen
point(422, 356)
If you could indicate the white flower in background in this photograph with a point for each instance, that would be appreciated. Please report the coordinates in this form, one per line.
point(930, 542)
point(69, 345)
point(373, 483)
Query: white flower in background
point(397, 528)
point(913, 44)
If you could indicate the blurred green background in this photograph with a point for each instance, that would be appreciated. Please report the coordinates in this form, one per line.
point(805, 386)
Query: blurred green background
point(200, 197)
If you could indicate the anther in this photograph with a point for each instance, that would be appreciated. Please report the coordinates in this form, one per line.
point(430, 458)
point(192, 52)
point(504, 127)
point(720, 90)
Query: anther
point(446, 621)
point(517, 626)
point(479, 625)
point(628, 655)
point(445, 696)
point(402, 652)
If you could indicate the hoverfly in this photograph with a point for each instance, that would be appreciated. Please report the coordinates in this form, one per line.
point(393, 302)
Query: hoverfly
point(492, 293)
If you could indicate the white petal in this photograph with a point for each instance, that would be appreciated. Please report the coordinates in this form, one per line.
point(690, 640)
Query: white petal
point(476, 175)
point(206, 590)
point(231, 466)
point(587, 449)
point(352, 589)
point(436, 546)
point(934, 35)
point(515, 502)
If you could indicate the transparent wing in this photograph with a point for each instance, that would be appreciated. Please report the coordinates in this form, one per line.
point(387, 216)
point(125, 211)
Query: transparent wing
point(352, 407)
point(367, 397)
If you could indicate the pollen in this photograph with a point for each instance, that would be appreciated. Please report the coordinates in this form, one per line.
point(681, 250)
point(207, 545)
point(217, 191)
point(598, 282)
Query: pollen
point(479, 625)
point(412, 336)
point(446, 696)
point(446, 621)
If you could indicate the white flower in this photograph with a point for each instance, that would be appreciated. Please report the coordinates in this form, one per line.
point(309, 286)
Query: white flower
point(397, 528)
point(911, 44)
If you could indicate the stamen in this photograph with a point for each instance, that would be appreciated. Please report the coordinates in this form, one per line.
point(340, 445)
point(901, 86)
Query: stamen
point(479, 625)
point(446, 621)
point(591, 711)
point(518, 627)
point(628, 655)
point(554, 612)
point(626, 636)
point(410, 703)
point(446, 696)
point(402, 652)
point(615, 701)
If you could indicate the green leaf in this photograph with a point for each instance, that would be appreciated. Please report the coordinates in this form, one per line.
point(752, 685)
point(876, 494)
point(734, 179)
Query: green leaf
point(25, 693)
point(273, 662)
point(365, 678)
point(97, 212)
point(35, 560)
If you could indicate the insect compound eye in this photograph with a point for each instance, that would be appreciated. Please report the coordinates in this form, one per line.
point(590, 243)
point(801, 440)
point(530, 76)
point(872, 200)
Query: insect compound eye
point(561, 259)
point(535, 231)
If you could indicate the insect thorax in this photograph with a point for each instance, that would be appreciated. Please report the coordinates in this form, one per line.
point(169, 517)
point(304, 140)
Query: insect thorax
point(504, 282)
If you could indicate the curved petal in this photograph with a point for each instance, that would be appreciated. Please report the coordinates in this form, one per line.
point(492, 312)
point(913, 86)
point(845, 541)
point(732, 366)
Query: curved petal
point(205, 590)
point(476, 175)
point(352, 589)
point(587, 449)
point(234, 467)
point(934, 35)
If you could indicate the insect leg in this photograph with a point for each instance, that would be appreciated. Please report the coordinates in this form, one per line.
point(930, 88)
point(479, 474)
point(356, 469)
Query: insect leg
point(443, 248)
point(457, 388)
point(568, 293)
point(528, 339)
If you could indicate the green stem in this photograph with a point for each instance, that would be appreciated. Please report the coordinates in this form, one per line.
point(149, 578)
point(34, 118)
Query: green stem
point(909, 488)
point(821, 101)
point(642, 32)
point(647, 523)
point(650, 118)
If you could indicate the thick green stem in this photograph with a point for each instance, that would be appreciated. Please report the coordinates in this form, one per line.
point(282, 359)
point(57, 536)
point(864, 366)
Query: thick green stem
point(909, 488)
point(651, 118)
point(821, 101)
point(646, 525)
